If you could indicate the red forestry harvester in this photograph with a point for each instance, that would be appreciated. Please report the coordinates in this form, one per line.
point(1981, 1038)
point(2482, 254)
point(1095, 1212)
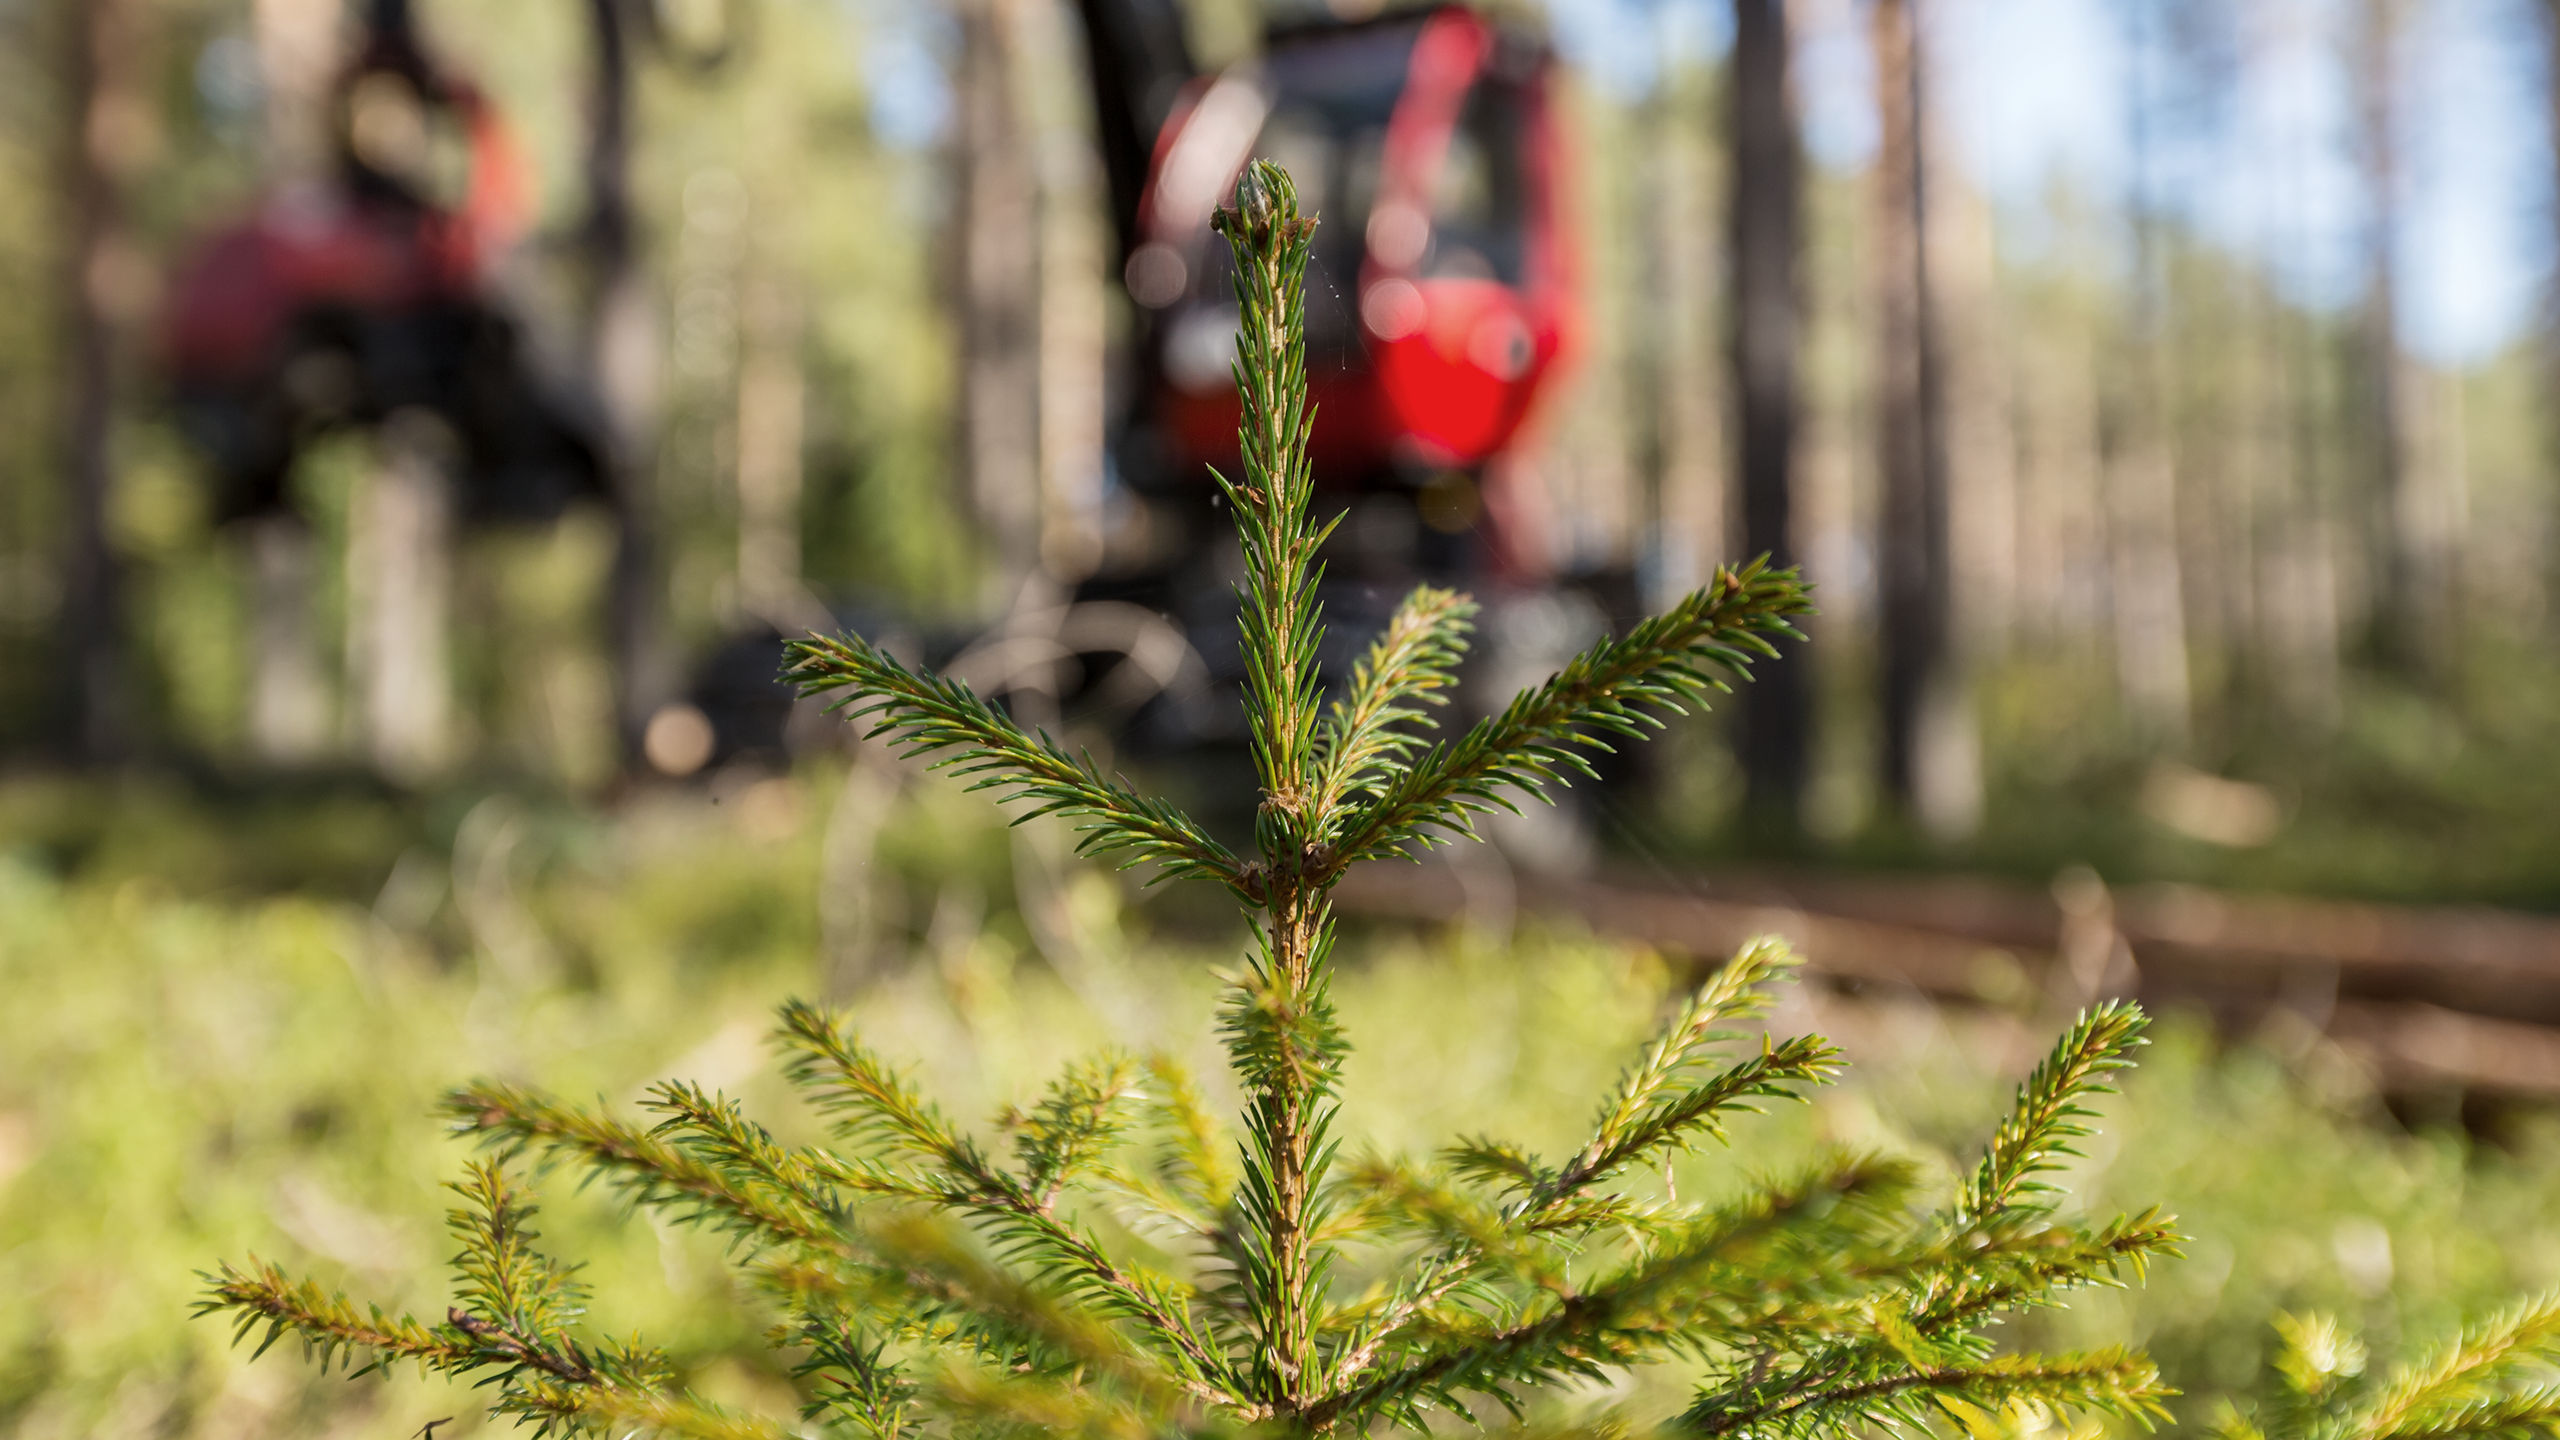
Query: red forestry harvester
point(344, 301)
point(1440, 303)
point(1440, 295)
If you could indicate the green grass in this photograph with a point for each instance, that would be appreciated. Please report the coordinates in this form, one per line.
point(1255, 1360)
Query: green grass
point(176, 1044)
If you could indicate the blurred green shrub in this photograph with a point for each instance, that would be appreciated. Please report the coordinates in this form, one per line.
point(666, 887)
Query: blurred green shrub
point(173, 1086)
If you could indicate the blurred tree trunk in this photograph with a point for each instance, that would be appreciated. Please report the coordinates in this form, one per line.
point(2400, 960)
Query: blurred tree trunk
point(1765, 208)
point(1646, 261)
point(110, 131)
point(2304, 606)
point(298, 46)
point(1931, 765)
point(2404, 604)
point(299, 51)
point(400, 598)
point(1074, 329)
point(772, 423)
point(622, 359)
point(1671, 387)
point(1694, 463)
point(1981, 451)
point(2549, 578)
point(288, 693)
point(999, 283)
point(1077, 261)
point(2146, 583)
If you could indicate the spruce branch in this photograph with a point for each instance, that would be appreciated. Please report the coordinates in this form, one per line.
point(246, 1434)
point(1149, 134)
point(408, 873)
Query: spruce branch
point(1192, 1364)
point(2038, 1131)
point(1640, 1119)
point(928, 714)
point(872, 1103)
point(560, 1408)
point(1614, 688)
point(2461, 1374)
point(1416, 1201)
point(878, 1107)
point(650, 1168)
point(1197, 1157)
point(1280, 621)
point(1408, 667)
point(1775, 1261)
point(2033, 1265)
point(516, 1307)
point(852, 1376)
point(327, 1322)
point(2528, 1414)
point(2315, 1354)
point(2113, 1382)
point(512, 1294)
point(2491, 1382)
point(1780, 1071)
point(1083, 1114)
point(715, 1129)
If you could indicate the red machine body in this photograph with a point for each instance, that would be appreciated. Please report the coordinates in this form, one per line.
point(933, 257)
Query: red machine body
point(357, 248)
point(1440, 293)
point(338, 302)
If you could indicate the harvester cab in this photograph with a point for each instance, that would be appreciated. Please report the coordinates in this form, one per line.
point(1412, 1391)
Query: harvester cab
point(1440, 305)
point(1439, 298)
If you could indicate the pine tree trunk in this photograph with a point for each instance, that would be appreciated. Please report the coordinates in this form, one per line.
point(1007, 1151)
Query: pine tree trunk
point(2302, 603)
point(2410, 615)
point(109, 129)
point(772, 421)
point(1694, 463)
point(2548, 577)
point(1643, 394)
point(1076, 264)
point(400, 599)
point(2146, 580)
point(298, 45)
point(622, 353)
point(289, 702)
point(1766, 313)
point(288, 694)
point(1930, 765)
point(999, 245)
point(1982, 436)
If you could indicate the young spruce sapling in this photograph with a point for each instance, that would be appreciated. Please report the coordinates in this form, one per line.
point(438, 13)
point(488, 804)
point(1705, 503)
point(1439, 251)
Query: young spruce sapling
point(931, 1284)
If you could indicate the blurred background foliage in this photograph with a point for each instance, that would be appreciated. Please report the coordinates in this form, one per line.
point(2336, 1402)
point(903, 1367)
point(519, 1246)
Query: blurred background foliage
point(2236, 489)
point(177, 1086)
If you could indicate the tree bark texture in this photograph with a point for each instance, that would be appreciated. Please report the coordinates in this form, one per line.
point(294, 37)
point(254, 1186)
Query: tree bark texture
point(110, 133)
point(772, 423)
point(289, 701)
point(1077, 261)
point(622, 355)
point(299, 47)
point(1928, 766)
point(299, 44)
point(400, 599)
point(999, 284)
point(2411, 606)
point(2548, 577)
point(2139, 479)
point(1765, 209)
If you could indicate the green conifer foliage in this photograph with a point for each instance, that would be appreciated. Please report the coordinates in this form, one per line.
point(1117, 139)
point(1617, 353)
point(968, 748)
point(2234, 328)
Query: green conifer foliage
point(2493, 1382)
point(931, 1284)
